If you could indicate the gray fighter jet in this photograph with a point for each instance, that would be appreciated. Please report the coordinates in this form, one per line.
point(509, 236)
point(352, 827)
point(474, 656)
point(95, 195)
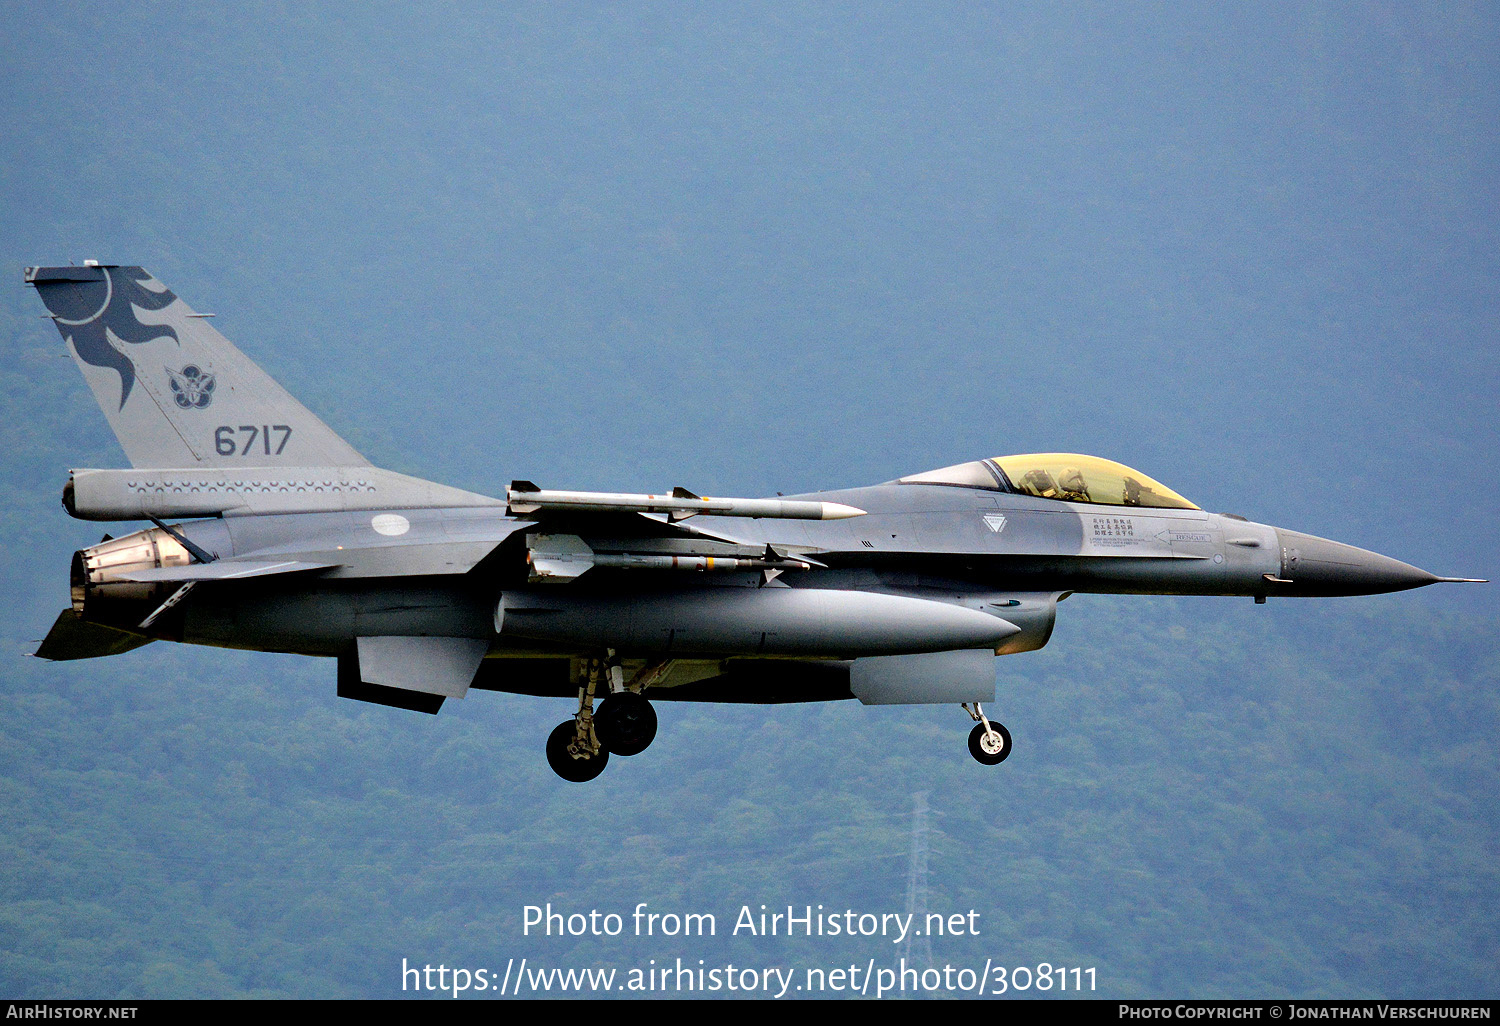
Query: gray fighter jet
point(897, 593)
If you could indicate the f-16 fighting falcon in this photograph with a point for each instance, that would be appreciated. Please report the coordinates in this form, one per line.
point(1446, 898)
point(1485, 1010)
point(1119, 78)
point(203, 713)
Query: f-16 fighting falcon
point(270, 532)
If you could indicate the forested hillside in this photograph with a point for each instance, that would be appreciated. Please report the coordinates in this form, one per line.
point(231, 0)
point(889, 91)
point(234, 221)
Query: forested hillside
point(1203, 800)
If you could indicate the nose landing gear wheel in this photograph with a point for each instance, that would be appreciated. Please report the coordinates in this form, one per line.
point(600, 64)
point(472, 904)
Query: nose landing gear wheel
point(990, 749)
point(625, 723)
point(560, 746)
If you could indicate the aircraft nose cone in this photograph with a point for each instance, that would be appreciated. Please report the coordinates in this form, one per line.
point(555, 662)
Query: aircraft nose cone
point(1317, 566)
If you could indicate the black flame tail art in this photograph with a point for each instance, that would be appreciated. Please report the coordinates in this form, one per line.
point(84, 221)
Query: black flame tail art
point(88, 310)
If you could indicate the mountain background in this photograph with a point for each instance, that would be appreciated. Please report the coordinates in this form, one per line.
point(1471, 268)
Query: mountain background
point(780, 247)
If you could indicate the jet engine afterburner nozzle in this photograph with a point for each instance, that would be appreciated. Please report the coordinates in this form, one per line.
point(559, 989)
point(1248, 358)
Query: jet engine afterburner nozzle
point(99, 591)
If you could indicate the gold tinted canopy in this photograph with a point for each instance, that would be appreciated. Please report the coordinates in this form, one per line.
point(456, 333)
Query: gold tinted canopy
point(1068, 476)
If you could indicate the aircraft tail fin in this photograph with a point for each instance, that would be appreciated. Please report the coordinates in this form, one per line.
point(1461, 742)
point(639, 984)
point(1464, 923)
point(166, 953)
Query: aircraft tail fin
point(176, 392)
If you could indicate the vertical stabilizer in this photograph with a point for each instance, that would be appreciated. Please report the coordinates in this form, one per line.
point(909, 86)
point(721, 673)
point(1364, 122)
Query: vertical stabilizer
point(175, 391)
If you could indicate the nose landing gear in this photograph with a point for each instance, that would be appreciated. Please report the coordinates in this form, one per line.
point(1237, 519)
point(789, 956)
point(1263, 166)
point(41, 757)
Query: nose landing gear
point(989, 741)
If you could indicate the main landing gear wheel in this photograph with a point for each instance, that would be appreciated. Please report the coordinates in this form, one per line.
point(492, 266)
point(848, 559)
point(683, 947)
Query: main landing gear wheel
point(625, 723)
point(989, 746)
point(561, 745)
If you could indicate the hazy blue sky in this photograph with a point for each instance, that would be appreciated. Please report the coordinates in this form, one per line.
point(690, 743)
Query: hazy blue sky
point(751, 247)
point(1250, 249)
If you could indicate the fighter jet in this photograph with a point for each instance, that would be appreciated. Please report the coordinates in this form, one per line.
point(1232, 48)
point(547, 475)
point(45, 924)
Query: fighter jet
point(271, 533)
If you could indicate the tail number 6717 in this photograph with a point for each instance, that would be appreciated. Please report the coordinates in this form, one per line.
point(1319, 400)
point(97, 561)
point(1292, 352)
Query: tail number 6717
point(231, 441)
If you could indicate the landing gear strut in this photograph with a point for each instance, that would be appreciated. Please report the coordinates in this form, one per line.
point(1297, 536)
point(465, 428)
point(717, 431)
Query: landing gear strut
point(989, 741)
point(573, 748)
point(625, 724)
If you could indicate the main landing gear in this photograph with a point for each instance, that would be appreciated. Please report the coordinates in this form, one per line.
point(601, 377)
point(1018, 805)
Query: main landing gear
point(579, 749)
point(626, 724)
point(989, 741)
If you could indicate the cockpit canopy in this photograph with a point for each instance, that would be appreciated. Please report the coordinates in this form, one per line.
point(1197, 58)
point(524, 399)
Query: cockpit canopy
point(1067, 476)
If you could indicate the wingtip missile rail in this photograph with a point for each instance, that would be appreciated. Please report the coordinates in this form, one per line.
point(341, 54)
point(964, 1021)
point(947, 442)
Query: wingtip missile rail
point(524, 498)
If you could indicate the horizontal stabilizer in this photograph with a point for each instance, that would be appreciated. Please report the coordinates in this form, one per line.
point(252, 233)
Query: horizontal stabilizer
point(73, 637)
point(219, 570)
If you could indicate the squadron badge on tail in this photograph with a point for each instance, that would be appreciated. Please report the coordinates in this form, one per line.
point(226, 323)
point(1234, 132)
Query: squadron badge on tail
point(191, 387)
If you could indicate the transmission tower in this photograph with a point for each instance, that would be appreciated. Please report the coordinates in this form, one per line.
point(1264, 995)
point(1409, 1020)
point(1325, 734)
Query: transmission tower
point(918, 950)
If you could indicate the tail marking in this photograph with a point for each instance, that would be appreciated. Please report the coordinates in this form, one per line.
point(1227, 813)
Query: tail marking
point(96, 310)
